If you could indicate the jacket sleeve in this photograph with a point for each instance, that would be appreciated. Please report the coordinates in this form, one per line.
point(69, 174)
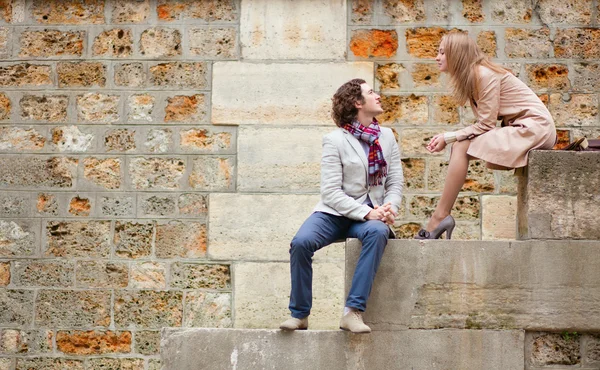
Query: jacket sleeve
point(394, 181)
point(332, 193)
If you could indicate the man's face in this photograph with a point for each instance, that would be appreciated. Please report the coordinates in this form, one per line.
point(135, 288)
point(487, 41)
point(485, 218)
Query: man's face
point(372, 103)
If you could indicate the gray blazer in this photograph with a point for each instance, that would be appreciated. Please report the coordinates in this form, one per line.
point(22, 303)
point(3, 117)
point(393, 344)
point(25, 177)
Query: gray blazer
point(344, 175)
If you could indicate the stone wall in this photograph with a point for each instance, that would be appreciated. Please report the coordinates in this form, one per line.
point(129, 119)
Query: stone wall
point(156, 156)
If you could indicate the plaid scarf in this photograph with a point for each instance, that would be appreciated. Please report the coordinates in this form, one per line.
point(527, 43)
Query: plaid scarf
point(370, 135)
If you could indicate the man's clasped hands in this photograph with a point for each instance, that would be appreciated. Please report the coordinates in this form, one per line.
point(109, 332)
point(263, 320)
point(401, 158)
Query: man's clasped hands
point(385, 213)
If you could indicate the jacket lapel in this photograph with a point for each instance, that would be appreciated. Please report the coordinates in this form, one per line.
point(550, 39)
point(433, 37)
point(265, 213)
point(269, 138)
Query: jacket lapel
point(357, 147)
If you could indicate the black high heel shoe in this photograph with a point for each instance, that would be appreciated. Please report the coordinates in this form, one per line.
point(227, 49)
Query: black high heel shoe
point(446, 225)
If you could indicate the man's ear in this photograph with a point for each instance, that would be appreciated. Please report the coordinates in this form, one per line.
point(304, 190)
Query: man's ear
point(358, 104)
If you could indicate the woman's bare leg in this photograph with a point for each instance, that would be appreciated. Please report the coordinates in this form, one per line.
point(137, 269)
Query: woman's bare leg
point(455, 179)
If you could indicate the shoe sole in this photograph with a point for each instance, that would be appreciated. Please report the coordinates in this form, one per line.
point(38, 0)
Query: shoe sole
point(355, 332)
point(288, 329)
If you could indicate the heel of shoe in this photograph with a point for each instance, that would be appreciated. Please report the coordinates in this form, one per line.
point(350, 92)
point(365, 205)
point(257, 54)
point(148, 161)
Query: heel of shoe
point(449, 233)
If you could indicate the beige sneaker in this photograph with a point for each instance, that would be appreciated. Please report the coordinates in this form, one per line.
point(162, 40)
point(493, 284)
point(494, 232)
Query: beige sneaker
point(353, 322)
point(294, 324)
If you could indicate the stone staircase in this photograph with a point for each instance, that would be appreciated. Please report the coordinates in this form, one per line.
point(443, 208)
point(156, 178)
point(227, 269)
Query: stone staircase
point(532, 303)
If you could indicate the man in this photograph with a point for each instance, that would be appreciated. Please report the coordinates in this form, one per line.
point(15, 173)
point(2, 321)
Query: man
point(361, 189)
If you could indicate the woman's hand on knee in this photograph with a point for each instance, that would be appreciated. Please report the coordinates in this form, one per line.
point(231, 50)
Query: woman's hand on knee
point(436, 144)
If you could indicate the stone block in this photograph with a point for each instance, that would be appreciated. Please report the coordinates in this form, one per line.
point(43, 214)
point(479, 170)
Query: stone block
point(479, 178)
point(425, 75)
point(562, 139)
point(179, 74)
point(48, 108)
point(574, 109)
point(148, 309)
point(512, 11)
point(92, 342)
point(116, 363)
point(104, 172)
point(264, 36)
point(591, 348)
point(465, 207)
point(140, 107)
point(264, 163)
point(213, 173)
point(71, 139)
point(26, 342)
point(259, 305)
point(68, 12)
point(506, 181)
point(130, 11)
point(148, 275)
point(79, 206)
point(178, 239)
point(586, 76)
point(160, 42)
point(19, 238)
point(98, 108)
point(472, 10)
point(51, 43)
point(207, 11)
point(486, 40)
point(399, 12)
point(17, 307)
point(133, 240)
point(498, 217)
point(200, 276)
point(193, 205)
point(414, 173)
point(406, 230)
point(362, 11)
point(119, 140)
point(565, 12)
point(551, 205)
point(81, 74)
point(527, 43)
point(186, 109)
point(102, 274)
point(577, 43)
point(78, 239)
point(444, 110)
point(50, 363)
point(116, 205)
point(209, 140)
point(130, 75)
point(423, 42)
point(159, 140)
point(548, 76)
point(7, 363)
point(36, 273)
point(147, 342)
point(4, 273)
point(300, 101)
point(388, 75)
point(413, 141)
point(207, 310)
point(117, 43)
point(47, 204)
point(14, 204)
point(408, 110)
point(214, 42)
point(5, 41)
point(5, 107)
point(157, 205)
point(70, 308)
point(156, 172)
point(242, 237)
point(374, 43)
point(546, 349)
point(26, 75)
point(55, 172)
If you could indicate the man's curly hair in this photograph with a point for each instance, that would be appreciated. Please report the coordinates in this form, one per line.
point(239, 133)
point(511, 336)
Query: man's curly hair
point(343, 109)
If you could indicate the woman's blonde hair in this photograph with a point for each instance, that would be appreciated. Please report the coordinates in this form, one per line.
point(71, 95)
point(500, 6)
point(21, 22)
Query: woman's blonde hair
point(462, 57)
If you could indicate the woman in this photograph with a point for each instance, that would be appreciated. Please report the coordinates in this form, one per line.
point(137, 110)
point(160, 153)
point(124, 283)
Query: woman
point(494, 94)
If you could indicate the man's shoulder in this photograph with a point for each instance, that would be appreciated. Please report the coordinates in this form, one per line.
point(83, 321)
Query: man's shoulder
point(335, 134)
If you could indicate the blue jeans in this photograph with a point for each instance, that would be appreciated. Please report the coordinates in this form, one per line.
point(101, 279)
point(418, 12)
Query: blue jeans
point(320, 230)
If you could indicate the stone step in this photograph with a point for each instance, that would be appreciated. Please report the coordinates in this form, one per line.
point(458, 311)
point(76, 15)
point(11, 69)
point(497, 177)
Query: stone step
point(247, 349)
point(547, 285)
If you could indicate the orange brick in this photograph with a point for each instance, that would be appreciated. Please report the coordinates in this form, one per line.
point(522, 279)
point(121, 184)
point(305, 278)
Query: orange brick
point(423, 42)
point(4, 273)
point(387, 75)
point(93, 342)
point(473, 11)
point(548, 76)
point(374, 43)
point(80, 206)
point(563, 139)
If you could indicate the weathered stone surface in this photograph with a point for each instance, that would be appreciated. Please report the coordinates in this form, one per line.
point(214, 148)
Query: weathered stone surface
point(479, 178)
point(563, 139)
point(261, 98)
point(553, 349)
point(51, 108)
point(579, 43)
point(264, 36)
point(140, 107)
point(25, 74)
point(511, 11)
point(423, 42)
point(473, 11)
point(78, 239)
point(133, 240)
point(116, 363)
point(117, 42)
point(157, 205)
point(214, 42)
point(207, 140)
point(47, 204)
point(548, 76)
point(208, 10)
point(259, 305)
point(51, 43)
point(147, 342)
point(586, 76)
point(179, 74)
point(407, 230)
point(148, 309)
point(116, 205)
point(105, 172)
point(81, 74)
point(362, 11)
point(72, 308)
point(388, 75)
point(413, 141)
point(180, 239)
point(336, 350)
point(93, 342)
point(98, 108)
point(374, 43)
point(37, 171)
point(445, 110)
point(68, 12)
point(159, 140)
point(101, 274)
point(25, 342)
point(425, 74)
point(414, 173)
point(17, 138)
point(399, 12)
point(80, 206)
point(264, 163)
point(7, 363)
point(243, 238)
point(5, 41)
point(120, 140)
point(5, 107)
point(527, 43)
point(17, 307)
point(49, 363)
point(498, 217)
point(4, 273)
point(207, 309)
point(148, 275)
point(553, 206)
point(400, 109)
point(574, 109)
point(592, 348)
point(565, 12)
point(486, 40)
point(193, 204)
point(130, 74)
point(71, 139)
point(33, 273)
point(182, 108)
point(157, 172)
point(14, 204)
point(465, 207)
point(484, 285)
point(213, 173)
point(159, 42)
point(130, 11)
point(200, 276)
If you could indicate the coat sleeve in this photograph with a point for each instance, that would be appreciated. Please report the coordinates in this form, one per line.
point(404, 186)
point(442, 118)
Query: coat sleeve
point(332, 194)
point(394, 181)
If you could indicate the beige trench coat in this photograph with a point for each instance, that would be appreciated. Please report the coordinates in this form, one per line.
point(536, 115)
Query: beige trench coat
point(526, 122)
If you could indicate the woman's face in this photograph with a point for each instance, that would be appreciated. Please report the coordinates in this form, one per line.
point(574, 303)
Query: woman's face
point(441, 58)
